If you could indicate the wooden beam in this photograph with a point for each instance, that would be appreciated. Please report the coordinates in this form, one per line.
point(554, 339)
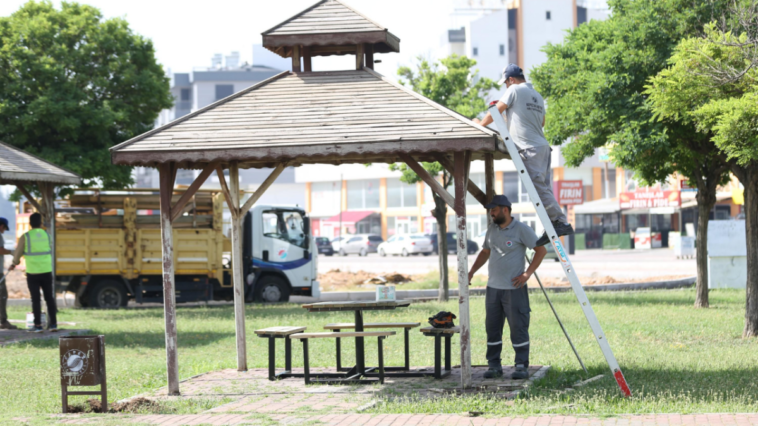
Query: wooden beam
point(238, 268)
point(227, 195)
point(31, 199)
point(370, 56)
point(489, 182)
point(426, 177)
point(295, 58)
point(178, 208)
point(474, 190)
point(47, 189)
point(169, 283)
point(307, 67)
point(359, 51)
point(460, 178)
point(262, 189)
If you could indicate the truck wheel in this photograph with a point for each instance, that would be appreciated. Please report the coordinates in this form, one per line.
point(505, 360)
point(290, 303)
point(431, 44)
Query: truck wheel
point(109, 294)
point(272, 289)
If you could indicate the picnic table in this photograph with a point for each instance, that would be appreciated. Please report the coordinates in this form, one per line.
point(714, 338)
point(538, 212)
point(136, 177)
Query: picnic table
point(357, 307)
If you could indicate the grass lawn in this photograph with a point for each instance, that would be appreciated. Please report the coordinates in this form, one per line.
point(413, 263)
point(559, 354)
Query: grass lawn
point(675, 358)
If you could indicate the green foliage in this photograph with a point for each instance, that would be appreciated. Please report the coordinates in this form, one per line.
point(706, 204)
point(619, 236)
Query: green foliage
point(594, 83)
point(727, 110)
point(73, 84)
point(450, 83)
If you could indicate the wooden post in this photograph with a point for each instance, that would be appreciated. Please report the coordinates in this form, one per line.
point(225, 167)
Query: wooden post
point(307, 67)
point(359, 51)
point(460, 177)
point(295, 58)
point(489, 182)
point(370, 56)
point(238, 280)
point(47, 190)
point(167, 174)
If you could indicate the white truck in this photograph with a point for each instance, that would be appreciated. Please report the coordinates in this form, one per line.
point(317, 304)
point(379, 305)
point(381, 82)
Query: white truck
point(107, 253)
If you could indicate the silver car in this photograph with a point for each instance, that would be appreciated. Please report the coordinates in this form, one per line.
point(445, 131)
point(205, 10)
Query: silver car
point(360, 244)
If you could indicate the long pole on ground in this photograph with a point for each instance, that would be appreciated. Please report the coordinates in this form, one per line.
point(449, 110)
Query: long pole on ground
point(167, 175)
point(460, 179)
point(565, 333)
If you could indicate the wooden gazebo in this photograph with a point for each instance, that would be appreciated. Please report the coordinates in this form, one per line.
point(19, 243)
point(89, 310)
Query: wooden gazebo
point(304, 117)
point(22, 169)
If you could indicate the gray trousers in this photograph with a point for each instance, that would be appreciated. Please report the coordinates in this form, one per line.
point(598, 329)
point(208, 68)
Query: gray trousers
point(513, 306)
point(3, 301)
point(537, 163)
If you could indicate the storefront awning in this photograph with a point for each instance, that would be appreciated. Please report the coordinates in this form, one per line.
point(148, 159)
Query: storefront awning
point(605, 205)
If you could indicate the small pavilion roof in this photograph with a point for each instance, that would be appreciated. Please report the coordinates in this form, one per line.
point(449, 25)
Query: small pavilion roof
point(308, 118)
point(331, 24)
point(19, 166)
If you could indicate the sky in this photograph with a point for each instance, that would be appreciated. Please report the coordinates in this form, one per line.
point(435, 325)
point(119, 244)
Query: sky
point(186, 34)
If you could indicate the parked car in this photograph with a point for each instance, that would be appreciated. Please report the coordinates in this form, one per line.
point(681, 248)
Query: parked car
point(360, 244)
point(324, 246)
point(479, 239)
point(337, 243)
point(406, 245)
point(452, 247)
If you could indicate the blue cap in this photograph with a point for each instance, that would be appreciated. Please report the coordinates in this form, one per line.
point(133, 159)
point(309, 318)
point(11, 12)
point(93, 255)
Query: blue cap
point(498, 200)
point(512, 70)
point(4, 221)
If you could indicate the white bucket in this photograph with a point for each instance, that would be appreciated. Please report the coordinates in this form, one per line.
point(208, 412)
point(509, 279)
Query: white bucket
point(30, 320)
point(385, 292)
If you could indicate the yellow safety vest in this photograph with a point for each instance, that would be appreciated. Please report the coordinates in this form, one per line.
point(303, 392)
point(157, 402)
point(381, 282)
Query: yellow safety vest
point(37, 252)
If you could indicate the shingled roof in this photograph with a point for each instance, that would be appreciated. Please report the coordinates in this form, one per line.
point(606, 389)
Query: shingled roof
point(305, 118)
point(19, 166)
point(329, 23)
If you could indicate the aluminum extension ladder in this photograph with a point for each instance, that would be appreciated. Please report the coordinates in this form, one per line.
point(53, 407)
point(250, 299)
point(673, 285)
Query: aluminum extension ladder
point(568, 269)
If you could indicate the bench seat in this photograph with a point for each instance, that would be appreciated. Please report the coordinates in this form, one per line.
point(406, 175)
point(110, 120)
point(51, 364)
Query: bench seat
point(327, 335)
point(273, 333)
point(406, 326)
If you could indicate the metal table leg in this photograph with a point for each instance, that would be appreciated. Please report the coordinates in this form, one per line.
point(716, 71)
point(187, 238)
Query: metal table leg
point(360, 363)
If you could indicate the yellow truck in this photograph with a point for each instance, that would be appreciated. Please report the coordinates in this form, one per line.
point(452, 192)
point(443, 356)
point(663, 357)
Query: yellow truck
point(108, 250)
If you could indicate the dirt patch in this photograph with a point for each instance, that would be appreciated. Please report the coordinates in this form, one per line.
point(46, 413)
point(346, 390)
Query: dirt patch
point(338, 280)
point(134, 405)
point(563, 281)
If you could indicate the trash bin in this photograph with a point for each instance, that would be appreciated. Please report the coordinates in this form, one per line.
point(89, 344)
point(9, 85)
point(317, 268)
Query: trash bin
point(83, 364)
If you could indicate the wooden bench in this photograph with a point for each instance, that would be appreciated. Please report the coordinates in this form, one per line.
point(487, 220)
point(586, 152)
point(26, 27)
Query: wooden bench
point(438, 334)
point(355, 379)
point(273, 333)
point(406, 326)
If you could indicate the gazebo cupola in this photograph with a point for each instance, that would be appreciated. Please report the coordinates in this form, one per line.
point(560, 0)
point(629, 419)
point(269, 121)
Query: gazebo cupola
point(327, 28)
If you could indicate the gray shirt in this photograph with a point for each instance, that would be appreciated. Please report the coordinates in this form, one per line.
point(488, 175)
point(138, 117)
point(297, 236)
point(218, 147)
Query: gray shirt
point(507, 250)
point(525, 114)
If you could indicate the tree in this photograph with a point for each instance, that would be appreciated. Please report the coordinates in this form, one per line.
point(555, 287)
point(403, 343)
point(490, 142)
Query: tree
point(594, 85)
point(73, 84)
point(450, 83)
point(713, 83)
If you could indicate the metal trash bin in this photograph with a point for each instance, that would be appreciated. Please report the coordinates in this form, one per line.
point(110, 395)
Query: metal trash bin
point(83, 364)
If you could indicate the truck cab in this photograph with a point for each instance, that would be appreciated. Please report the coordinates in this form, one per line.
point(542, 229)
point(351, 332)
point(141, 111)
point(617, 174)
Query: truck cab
point(284, 255)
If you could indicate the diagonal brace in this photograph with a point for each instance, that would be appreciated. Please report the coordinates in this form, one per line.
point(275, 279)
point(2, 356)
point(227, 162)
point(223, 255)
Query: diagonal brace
point(262, 189)
point(474, 190)
point(426, 177)
point(178, 208)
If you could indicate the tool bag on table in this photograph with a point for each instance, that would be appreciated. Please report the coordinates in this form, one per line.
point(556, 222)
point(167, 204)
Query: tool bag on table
point(443, 320)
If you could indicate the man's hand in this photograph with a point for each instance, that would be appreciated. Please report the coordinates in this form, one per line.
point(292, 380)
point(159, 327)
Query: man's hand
point(470, 277)
point(521, 280)
point(476, 120)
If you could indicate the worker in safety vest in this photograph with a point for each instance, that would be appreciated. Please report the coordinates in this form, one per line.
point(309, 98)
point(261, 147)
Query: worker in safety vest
point(38, 252)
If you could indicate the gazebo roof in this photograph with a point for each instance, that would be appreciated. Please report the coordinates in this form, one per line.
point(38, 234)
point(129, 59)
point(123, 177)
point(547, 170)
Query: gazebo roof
point(19, 166)
point(307, 118)
point(331, 24)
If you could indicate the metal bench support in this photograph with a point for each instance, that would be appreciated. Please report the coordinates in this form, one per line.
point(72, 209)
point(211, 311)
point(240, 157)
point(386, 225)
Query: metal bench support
point(272, 374)
point(407, 343)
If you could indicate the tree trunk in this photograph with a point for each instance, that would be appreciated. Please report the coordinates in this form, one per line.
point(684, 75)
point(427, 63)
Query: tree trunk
point(751, 228)
point(440, 213)
point(701, 245)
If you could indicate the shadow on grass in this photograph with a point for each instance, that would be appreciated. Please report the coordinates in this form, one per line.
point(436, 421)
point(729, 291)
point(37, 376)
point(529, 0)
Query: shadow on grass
point(150, 340)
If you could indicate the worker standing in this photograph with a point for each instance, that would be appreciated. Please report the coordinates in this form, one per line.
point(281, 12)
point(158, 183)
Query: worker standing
point(507, 297)
point(37, 250)
point(525, 114)
point(4, 324)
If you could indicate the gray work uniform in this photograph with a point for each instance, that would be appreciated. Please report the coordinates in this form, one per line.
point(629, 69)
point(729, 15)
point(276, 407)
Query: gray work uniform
point(502, 301)
point(3, 286)
point(525, 115)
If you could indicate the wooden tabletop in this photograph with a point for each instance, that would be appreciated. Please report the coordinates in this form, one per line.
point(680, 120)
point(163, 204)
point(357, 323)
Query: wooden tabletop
point(362, 305)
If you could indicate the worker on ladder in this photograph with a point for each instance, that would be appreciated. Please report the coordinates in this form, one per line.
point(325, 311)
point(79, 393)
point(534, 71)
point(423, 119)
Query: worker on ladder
point(507, 297)
point(525, 114)
point(38, 252)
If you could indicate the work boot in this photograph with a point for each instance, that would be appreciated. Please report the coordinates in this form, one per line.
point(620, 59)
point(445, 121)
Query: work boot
point(521, 373)
point(52, 327)
point(560, 228)
point(37, 329)
point(5, 325)
point(493, 373)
